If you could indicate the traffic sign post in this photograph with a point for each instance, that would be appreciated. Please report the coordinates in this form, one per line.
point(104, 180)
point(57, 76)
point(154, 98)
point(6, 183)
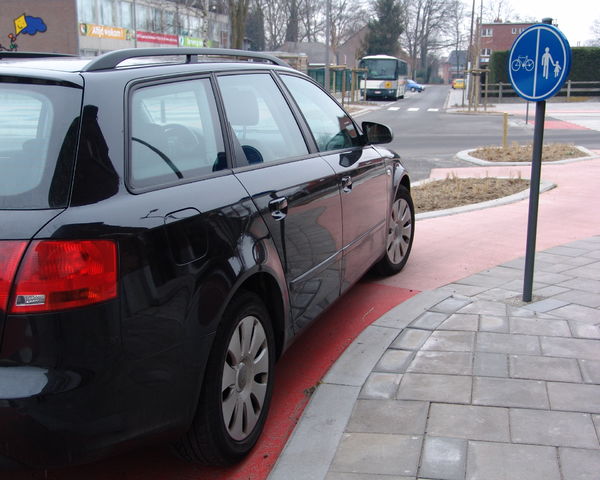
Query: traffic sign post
point(538, 64)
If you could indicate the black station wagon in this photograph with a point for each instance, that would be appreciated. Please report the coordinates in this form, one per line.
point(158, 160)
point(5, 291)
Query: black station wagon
point(170, 219)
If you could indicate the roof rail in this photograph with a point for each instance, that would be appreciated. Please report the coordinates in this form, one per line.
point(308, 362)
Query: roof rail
point(16, 54)
point(111, 60)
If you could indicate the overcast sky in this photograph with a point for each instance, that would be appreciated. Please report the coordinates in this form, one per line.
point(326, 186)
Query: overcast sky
point(574, 17)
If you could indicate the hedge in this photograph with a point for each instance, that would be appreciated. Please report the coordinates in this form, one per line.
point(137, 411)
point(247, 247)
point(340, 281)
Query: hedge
point(585, 65)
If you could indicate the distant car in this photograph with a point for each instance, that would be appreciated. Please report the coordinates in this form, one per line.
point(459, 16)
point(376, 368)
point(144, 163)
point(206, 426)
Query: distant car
point(414, 86)
point(458, 83)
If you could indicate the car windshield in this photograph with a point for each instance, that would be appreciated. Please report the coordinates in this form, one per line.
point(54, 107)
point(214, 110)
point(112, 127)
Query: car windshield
point(38, 129)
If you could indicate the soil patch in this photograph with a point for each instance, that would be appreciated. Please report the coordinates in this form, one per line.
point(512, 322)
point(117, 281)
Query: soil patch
point(456, 192)
point(522, 153)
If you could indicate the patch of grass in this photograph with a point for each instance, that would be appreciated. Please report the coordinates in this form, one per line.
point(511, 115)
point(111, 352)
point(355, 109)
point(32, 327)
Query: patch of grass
point(522, 153)
point(455, 192)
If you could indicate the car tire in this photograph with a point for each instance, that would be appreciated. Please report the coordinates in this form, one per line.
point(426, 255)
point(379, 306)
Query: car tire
point(401, 231)
point(238, 384)
point(413, 90)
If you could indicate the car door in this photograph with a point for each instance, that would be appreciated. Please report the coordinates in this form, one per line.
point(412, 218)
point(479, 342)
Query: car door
point(363, 177)
point(295, 191)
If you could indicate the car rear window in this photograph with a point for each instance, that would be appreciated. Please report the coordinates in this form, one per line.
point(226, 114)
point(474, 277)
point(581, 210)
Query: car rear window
point(38, 132)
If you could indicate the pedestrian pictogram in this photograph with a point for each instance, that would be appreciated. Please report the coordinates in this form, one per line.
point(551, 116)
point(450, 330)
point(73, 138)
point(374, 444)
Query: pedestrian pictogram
point(539, 62)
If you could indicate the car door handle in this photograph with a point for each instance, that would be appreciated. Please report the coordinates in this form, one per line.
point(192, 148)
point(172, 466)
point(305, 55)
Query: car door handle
point(347, 184)
point(278, 208)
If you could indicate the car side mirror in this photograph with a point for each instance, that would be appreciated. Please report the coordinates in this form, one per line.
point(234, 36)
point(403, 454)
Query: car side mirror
point(376, 133)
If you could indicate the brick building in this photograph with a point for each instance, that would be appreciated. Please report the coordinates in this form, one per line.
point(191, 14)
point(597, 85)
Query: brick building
point(497, 37)
point(91, 27)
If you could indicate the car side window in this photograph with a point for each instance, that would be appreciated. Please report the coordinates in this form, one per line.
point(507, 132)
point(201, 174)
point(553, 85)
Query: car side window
point(332, 129)
point(260, 118)
point(175, 133)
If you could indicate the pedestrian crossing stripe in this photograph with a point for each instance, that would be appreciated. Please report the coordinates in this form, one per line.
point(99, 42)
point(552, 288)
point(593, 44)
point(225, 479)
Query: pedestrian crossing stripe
point(433, 109)
point(393, 109)
point(413, 109)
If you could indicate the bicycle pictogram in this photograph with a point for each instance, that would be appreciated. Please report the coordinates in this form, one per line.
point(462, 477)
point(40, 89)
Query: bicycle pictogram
point(522, 62)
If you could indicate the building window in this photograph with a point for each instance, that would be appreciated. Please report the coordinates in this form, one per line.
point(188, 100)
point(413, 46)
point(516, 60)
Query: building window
point(126, 14)
point(486, 52)
point(86, 11)
point(517, 31)
point(487, 32)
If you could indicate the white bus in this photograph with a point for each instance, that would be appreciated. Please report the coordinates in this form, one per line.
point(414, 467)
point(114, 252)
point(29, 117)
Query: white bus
point(386, 76)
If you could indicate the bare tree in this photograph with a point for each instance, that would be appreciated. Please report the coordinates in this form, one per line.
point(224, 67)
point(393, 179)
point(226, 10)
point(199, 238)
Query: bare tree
point(496, 11)
point(238, 11)
point(428, 25)
point(276, 19)
point(595, 30)
point(312, 19)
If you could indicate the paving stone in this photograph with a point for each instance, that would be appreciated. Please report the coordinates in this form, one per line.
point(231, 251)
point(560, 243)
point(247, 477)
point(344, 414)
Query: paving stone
point(508, 392)
point(502, 461)
point(586, 244)
point(566, 251)
point(569, 260)
point(560, 429)
point(519, 310)
point(596, 419)
point(382, 454)
point(491, 364)
point(591, 270)
point(389, 416)
point(461, 321)
point(579, 464)
point(444, 458)
point(574, 397)
point(449, 341)
point(480, 280)
point(498, 294)
point(590, 369)
point(466, 290)
point(538, 326)
point(454, 363)
point(580, 298)
point(485, 307)
point(502, 343)
point(544, 368)
point(411, 339)
point(577, 312)
point(450, 305)
point(518, 284)
point(488, 323)
point(553, 277)
point(571, 348)
point(429, 320)
point(502, 271)
point(553, 290)
point(381, 385)
point(468, 422)
point(403, 314)
point(587, 285)
point(545, 305)
point(363, 476)
point(394, 361)
point(357, 362)
point(584, 330)
point(435, 388)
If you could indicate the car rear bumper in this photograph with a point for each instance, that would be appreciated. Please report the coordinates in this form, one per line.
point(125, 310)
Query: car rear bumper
point(76, 389)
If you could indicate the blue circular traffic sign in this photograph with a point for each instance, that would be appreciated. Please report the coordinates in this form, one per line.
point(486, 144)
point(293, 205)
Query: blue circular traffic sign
point(539, 62)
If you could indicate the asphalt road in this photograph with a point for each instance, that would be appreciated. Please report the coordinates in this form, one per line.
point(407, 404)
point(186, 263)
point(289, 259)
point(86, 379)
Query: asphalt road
point(427, 136)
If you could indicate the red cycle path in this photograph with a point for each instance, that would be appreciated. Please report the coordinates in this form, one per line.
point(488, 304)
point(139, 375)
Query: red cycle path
point(298, 371)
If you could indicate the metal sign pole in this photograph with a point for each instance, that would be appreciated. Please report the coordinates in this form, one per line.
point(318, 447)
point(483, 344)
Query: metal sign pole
point(534, 195)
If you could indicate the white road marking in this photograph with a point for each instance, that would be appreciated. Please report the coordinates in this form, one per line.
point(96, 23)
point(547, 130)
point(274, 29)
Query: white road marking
point(433, 109)
point(413, 109)
point(393, 109)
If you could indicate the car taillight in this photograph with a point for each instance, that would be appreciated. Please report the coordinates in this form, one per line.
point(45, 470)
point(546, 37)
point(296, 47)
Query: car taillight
point(10, 256)
point(57, 275)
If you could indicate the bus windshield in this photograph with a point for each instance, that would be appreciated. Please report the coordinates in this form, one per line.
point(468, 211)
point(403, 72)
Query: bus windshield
point(380, 69)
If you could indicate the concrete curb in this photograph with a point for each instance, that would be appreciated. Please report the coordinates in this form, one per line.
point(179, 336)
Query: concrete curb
point(313, 443)
point(515, 197)
point(465, 155)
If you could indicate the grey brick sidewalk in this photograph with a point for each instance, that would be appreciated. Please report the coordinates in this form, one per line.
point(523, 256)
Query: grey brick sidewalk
point(467, 382)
